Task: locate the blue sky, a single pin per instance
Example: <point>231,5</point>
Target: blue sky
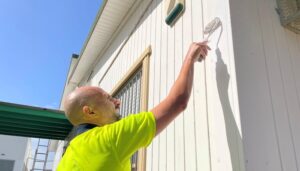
<point>37,39</point>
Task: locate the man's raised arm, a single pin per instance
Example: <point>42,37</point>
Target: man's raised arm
<point>179,95</point>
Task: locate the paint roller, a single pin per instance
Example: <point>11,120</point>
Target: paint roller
<point>210,28</point>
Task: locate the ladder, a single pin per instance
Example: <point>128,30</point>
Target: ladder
<point>41,155</point>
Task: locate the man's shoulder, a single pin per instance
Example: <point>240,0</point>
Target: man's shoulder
<point>136,117</point>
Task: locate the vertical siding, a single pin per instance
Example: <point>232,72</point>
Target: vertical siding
<point>163,82</point>
<point>156,81</point>
<point>201,138</point>
<point>170,150</point>
<point>151,28</point>
<point>179,127</point>
<point>225,136</point>
<point>267,63</point>
<point>189,113</point>
<point>199,94</point>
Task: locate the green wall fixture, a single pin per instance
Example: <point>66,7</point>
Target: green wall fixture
<point>174,9</point>
<point>28,121</point>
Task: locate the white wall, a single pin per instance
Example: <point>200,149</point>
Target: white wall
<point>58,154</point>
<point>28,161</point>
<point>13,148</point>
<point>251,54</point>
<point>268,77</point>
<point>207,136</point>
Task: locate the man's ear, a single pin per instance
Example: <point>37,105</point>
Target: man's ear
<point>87,110</point>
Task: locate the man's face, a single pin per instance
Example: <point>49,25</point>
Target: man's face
<point>114,106</point>
<point>108,107</point>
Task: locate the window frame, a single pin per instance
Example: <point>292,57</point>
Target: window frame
<point>142,62</point>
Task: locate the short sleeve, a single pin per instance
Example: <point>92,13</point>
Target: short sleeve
<point>132,133</point>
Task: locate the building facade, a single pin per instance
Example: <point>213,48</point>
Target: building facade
<point>245,104</point>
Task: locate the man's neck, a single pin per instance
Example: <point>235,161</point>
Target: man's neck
<point>83,128</point>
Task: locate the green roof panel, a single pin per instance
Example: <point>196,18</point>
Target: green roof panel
<point>28,121</point>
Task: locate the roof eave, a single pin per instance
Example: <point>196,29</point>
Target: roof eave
<point>87,40</point>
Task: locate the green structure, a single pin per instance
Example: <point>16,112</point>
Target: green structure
<point>174,13</point>
<point>28,121</point>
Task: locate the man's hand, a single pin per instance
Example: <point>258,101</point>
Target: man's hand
<point>198,51</point>
<point>178,97</point>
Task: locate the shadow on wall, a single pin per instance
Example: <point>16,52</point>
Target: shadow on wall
<point>234,138</point>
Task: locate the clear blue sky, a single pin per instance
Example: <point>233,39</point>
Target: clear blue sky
<point>37,39</point>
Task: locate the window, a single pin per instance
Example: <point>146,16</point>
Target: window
<point>130,96</point>
<point>132,90</point>
<point>7,165</point>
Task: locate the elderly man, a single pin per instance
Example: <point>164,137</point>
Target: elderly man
<point>109,142</point>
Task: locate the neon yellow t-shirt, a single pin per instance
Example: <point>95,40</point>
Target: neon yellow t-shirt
<point>110,147</point>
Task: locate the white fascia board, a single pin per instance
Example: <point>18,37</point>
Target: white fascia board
<point>97,39</point>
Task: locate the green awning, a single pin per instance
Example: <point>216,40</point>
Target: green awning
<point>28,121</point>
